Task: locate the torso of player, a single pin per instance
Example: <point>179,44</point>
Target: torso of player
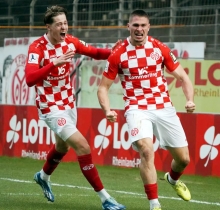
<point>55,92</point>
<point>141,64</point>
<point>141,71</point>
<point>51,52</point>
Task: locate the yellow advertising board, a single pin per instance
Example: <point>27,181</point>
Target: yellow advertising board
<point>205,76</point>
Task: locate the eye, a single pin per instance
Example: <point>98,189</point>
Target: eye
<point>59,24</point>
<point>135,25</point>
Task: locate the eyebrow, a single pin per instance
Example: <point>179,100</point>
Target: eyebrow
<point>137,24</point>
<point>61,22</point>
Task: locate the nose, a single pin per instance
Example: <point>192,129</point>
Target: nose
<point>139,28</point>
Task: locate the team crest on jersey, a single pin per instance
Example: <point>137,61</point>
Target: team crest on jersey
<point>155,56</point>
<point>33,58</point>
<point>173,57</point>
<point>84,43</point>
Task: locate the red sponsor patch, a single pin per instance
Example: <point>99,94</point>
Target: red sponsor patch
<point>134,132</point>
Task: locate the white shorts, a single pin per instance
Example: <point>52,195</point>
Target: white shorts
<point>163,123</point>
<point>62,122</point>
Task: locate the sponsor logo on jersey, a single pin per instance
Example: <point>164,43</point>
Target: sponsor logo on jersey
<point>143,74</point>
<point>33,58</point>
<point>132,57</point>
<point>173,57</point>
<point>143,71</point>
<point>61,70</point>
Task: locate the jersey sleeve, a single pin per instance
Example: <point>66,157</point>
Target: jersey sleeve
<point>85,49</point>
<point>112,67</point>
<point>170,60</point>
<point>34,55</point>
<point>33,71</point>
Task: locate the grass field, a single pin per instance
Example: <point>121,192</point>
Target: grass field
<point>18,191</point>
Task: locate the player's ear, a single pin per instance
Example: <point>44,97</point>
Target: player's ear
<point>48,27</point>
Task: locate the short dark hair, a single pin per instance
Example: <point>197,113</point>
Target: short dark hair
<point>139,12</point>
<point>53,11</point>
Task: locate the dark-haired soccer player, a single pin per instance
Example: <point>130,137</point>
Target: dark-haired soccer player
<point>139,61</point>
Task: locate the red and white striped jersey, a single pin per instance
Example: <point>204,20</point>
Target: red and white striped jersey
<point>55,91</point>
<point>141,71</point>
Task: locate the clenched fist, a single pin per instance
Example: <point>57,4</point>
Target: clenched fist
<point>190,106</point>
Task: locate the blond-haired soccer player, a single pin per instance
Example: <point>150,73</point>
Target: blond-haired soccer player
<point>48,69</point>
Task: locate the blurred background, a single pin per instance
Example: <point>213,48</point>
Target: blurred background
<point>104,21</point>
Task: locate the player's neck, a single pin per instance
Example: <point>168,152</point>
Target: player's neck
<point>52,40</point>
<point>137,43</point>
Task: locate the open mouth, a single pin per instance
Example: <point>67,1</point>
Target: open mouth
<point>138,35</point>
<point>62,34</point>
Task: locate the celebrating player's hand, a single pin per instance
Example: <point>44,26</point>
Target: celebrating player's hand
<point>111,116</point>
<point>65,58</point>
<point>190,106</point>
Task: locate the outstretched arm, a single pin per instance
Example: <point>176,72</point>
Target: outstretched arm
<point>104,99</point>
<point>187,87</point>
<point>96,53</point>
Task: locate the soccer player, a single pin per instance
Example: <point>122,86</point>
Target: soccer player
<point>139,62</point>
<point>48,69</point>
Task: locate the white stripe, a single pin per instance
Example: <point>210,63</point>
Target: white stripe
<point>87,188</point>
